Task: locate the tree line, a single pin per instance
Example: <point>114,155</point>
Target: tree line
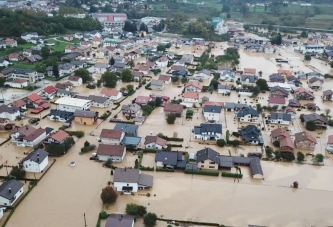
<point>14,23</point>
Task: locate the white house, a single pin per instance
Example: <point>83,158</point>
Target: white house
<point>329,146</point>
<point>111,136</point>
<point>3,63</point>
<point>30,140</point>
<point>9,112</point>
<point>114,152</point>
<point>212,113</point>
<point>17,83</point>
<point>162,62</point>
<point>279,118</point>
<point>202,75</point>
<point>75,80</point>
<point>248,115</point>
<point>10,191</point>
<point>101,67</point>
<point>96,100</point>
<point>223,89</point>
<point>35,162</point>
<point>220,26</point>
<point>192,97</point>
<point>313,48</point>
<point>28,36</point>
<point>193,86</point>
<point>72,104</point>
<point>131,180</point>
<point>112,94</point>
<point>157,85</point>
<point>155,143</point>
<point>208,132</point>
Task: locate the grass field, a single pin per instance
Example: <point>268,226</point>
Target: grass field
<point>22,65</point>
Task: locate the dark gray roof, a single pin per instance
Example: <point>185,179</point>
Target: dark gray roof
<point>126,175</point>
<point>277,88</point>
<point>276,77</point>
<point>14,187</point>
<point>63,91</point>
<point>166,157</point>
<point>250,133</point>
<point>251,78</point>
<point>145,180</point>
<point>60,113</point>
<point>36,156</point>
<point>328,92</point>
<point>127,128</point>
<point>157,82</point>
<point>119,220</point>
<point>94,98</point>
<point>252,162</point>
<point>131,140</point>
<point>84,113</point>
<point>223,86</point>
<point>294,103</point>
<point>283,116</point>
<point>232,105</point>
<point>72,55</point>
<point>226,162</point>
<point>208,153</point>
<point>217,128</point>
<point>246,111</point>
<point>314,117</point>
<point>119,65</point>
<point>212,109</point>
<point>78,62</point>
<point>7,109</point>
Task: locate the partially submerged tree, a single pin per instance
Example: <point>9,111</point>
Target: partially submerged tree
<point>109,195</point>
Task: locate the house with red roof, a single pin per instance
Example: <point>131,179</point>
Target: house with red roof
<point>33,100</point>
<point>28,136</point>
<point>17,83</point>
<point>142,100</point>
<point>277,101</point>
<point>111,93</point>
<point>143,69</point>
<point>97,41</point>
<point>192,97</point>
<point>48,92</point>
<point>162,62</point>
<point>193,86</point>
<point>303,94</point>
<point>14,57</point>
<point>58,137</point>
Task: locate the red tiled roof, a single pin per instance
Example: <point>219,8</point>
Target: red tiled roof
<point>193,95</point>
<point>19,81</point>
<point>211,103</point>
<point>250,71</point>
<point>38,132</point>
<point>33,97</point>
<point>111,150</point>
<point>285,71</point>
<point>50,89</point>
<point>111,134</point>
<point>330,139</point>
<point>59,135</point>
<point>276,100</point>
<point>155,139</point>
<point>164,77</point>
<point>109,92</point>
<point>142,99</point>
<point>13,56</point>
<point>174,108</point>
<point>18,103</point>
<point>194,84</point>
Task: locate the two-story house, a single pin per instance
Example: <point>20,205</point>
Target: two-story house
<point>170,160</point>
<point>248,115</point>
<point>212,113</point>
<point>58,137</point>
<point>249,79</point>
<point>304,140</point>
<point>114,152</point>
<point>208,159</point>
<point>155,143</point>
<point>223,89</point>
<point>10,192</point>
<point>191,97</point>
<point>10,112</point>
<point>193,86</point>
<point>208,132</point>
<point>48,92</point>
<point>112,94</point>
<point>28,136</point>
<point>85,117</point>
<point>111,136</point>
<point>303,94</point>
<point>176,109</point>
<point>21,105</point>
<point>252,135</point>
<point>75,80</point>
<point>131,110</point>
<point>315,83</point>
<point>278,92</point>
<point>284,138</point>
<point>321,122</point>
<point>276,78</point>
<point>35,162</point>
<point>279,118</point>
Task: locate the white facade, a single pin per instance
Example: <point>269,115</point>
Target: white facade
<point>201,76</point>
<point>279,121</point>
<point>72,104</point>
<point>210,116</point>
<point>153,146</point>
<point>111,141</point>
<point>4,63</point>
<point>33,143</point>
<point>10,116</point>
<point>317,48</point>
<point>249,119</point>
<point>161,64</point>
<point>116,97</point>
<point>113,158</point>
<point>119,186</point>
<point>194,100</point>
<point>223,91</point>
<point>192,88</point>
<point>76,83</point>
<point>7,202</point>
<point>34,167</point>
<point>207,136</point>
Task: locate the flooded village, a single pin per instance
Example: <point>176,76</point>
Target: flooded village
<point>210,149</point>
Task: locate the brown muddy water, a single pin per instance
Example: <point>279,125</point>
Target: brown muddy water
<point>66,193</point>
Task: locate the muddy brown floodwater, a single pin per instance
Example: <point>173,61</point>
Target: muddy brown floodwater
<point>66,193</point>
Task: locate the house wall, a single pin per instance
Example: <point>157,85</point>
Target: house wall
<point>156,87</point>
<point>258,176</point>
<point>120,185</point>
<point>279,121</point>
<point>153,146</point>
<point>77,83</point>
<point>243,93</point>
<point>114,158</point>
<point>102,105</point>
<point>26,143</point>
<point>212,116</point>
<point>308,145</point>
<point>192,89</point>
<point>70,108</point>
<point>207,136</point>
<point>9,116</point>
<point>208,164</point>
<point>6,202</point>
<point>190,100</point>
<point>248,118</point>
<point>17,85</point>
<point>34,167</point>
<point>111,141</point>
<point>84,120</point>
<point>278,94</point>
<point>118,96</point>
<point>223,91</point>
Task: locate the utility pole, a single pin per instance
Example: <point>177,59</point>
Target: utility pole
<point>85,222</point>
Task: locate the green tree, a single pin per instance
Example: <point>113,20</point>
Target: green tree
<point>183,80</point>
<point>109,195</point>
<point>17,172</point>
<point>269,152</point>
<point>331,64</point>
<point>45,52</point>
<point>2,81</point>
<point>276,143</point>
<point>304,34</point>
<point>109,79</point>
<point>40,67</point>
<point>262,84</point>
<point>55,71</point>
<point>126,75</point>
<point>129,88</point>
<point>311,126</point>
<point>84,74</point>
<point>259,108</point>
<point>171,118</point>
<point>277,39</point>
<point>136,210</point>
<point>146,110</point>
<point>319,158</point>
<point>300,156</point>
<point>161,48</point>
<point>86,144</point>
<point>226,8</point>
<point>158,101</point>
<point>108,163</point>
<point>220,142</point>
<point>307,58</point>
<point>277,155</point>
<point>150,219</point>
<point>246,27</point>
<point>111,62</point>
<point>288,156</point>
<point>131,63</point>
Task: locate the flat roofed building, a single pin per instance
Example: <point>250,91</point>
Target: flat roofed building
<point>72,104</point>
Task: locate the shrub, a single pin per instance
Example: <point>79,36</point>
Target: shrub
<point>146,168</point>
<point>202,172</point>
<point>171,118</point>
<point>300,156</point>
<point>150,219</point>
<point>288,156</point>
<point>276,143</point>
<point>234,143</point>
<point>220,142</point>
<point>170,138</point>
<point>78,134</point>
<point>134,209</point>
<point>17,172</point>
<point>233,175</point>
<point>164,170</point>
<point>235,134</point>
<point>311,126</point>
<point>175,145</point>
<point>109,195</point>
<point>103,215</point>
<point>319,158</point>
<point>108,163</point>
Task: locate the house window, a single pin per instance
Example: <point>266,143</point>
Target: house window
<point>212,167</point>
<point>127,184</point>
<point>211,162</point>
<point>202,162</point>
<point>202,166</point>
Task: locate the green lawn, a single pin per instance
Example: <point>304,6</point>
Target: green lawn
<point>22,65</point>
<point>25,46</point>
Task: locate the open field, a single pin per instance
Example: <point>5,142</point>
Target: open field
<point>66,193</point>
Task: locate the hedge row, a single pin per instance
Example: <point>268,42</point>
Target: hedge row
<point>148,151</point>
<point>146,168</point>
<point>164,170</point>
<point>175,145</point>
<point>171,138</point>
<point>233,175</point>
<point>5,141</point>
<point>202,172</point>
<point>190,222</point>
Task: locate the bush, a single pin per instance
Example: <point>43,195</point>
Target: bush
<point>175,145</point>
<point>202,172</point>
<point>233,175</point>
<point>150,219</point>
<point>300,156</point>
<point>103,215</point>
<point>311,126</point>
<point>136,210</point>
<point>17,173</point>
<point>108,163</point>
<point>220,142</point>
<point>288,156</point>
<point>276,143</point>
<point>235,134</point>
<point>164,170</point>
<point>170,138</point>
<point>171,118</point>
<point>319,158</point>
<point>109,195</point>
<point>146,168</point>
<point>234,143</point>
<point>78,134</point>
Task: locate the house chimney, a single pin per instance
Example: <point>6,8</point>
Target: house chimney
<point>121,217</point>
<point>10,190</point>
